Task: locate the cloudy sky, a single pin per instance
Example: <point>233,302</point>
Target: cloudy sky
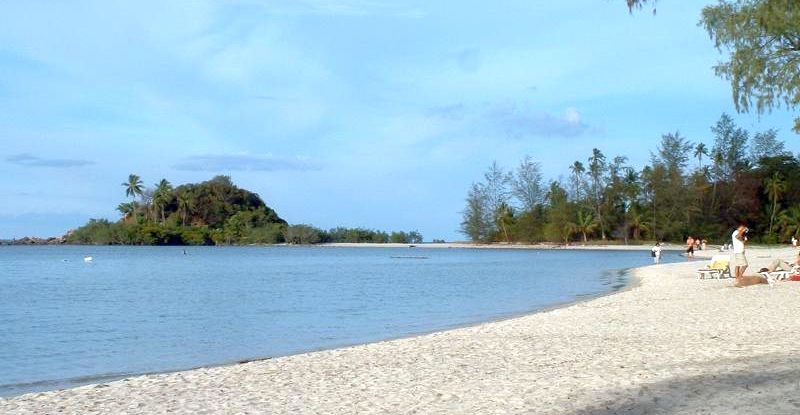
<point>337,112</point>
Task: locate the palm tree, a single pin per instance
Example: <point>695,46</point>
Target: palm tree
<point>567,231</point>
<point>585,224</point>
<point>505,217</point>
<point>577,171</point>
<point>126,209</point>
<point>637,223</point>
<point>133,188</point>
<point>789,222</point>
<point>161,196</point>
<point>699,151</point>
<point>774,187</point>
<point>185,205</point>
<point>597,165</point>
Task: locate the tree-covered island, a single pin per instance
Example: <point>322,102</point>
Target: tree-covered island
<point>214,212</point>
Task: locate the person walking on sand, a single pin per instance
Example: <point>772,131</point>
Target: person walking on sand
<point>690,247</point>
<point>656,253</point>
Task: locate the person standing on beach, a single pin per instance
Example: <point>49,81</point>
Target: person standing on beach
<point>656,253</point>
<point>690,247</point>
<point>738,260</point>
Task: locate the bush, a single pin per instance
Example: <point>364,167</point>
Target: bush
<point>302,234</point>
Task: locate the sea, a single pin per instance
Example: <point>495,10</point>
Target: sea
<point>67,321</point>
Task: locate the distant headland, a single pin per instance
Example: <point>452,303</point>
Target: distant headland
<point>214,212</point>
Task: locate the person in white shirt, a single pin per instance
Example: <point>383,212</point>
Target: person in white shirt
<point>738,259</point>
<point>656,253</point>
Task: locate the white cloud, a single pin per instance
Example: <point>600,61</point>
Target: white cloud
<point>572,116</point>
<point>338,7</point>
<point>245,162</point>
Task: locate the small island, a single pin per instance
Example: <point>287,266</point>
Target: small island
<point>214,212</point>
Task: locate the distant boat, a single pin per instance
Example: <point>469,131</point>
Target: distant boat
<point>87,259</point>
<point>408,257</point>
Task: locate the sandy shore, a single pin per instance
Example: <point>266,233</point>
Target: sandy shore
<point>671,344</point>
<point>500,245</point>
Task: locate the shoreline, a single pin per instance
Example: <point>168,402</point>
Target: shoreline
<point>632,281</point>
<point>633,348</point>
<point>425,245</point>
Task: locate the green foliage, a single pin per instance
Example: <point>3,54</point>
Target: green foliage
<point>302,234</point>
<point>402,237</point>
<point>213,202</point>
<point>215,212</point>
<point>559,226</point>
<point>477,221</point>
<point>355,235</point>
<point>762,39</point>
<point>97,231</point>
<point>730,147</point>
<point>668,199</point>
<point>194,235</point>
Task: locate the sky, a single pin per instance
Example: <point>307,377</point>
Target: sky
<point>376,114</point>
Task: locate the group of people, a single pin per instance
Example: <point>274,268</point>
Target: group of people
<point>738,262</point>
<point>693,244</point>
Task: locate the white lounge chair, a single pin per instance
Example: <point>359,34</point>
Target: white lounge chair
<point>718,268</point>
<point>775,276</point>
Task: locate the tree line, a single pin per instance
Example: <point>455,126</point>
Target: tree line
<point>214,212</point>
<point>688,188</point>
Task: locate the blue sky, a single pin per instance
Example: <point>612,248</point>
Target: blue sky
<point>337,112</point>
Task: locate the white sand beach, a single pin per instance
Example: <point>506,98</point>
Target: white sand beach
<point>670,344</point>
<point>500,245</point>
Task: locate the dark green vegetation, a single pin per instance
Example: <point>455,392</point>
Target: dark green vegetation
<point>762,38</point>
<point>215,212</point>
<point>687,189</point>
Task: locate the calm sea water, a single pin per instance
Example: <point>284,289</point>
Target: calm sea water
<point>132,310</point>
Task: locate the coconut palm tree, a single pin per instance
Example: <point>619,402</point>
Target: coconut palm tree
<point>133,188</point>
<point>185,205</point>
<point>126,209</point>
<point>637,223</point>
<point>505,217</point>
<point>789,222</point>
<point>162,196</point>
<point>699,151</point>
<point>597,166</point>
<point>585,224</point>
<point>774,187</point>
<point>567,231</point>
<point>577,171</point>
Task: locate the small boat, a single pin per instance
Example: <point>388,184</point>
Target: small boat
<point>409,257</point>
<point>87,259</point>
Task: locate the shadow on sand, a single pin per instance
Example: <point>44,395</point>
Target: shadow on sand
<point>766,385</point>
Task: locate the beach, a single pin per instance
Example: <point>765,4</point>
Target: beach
<point>669,344</point>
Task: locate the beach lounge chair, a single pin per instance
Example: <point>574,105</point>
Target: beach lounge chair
<point>779,275</point>
<point>775,276</point>
<point>718,268</point>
